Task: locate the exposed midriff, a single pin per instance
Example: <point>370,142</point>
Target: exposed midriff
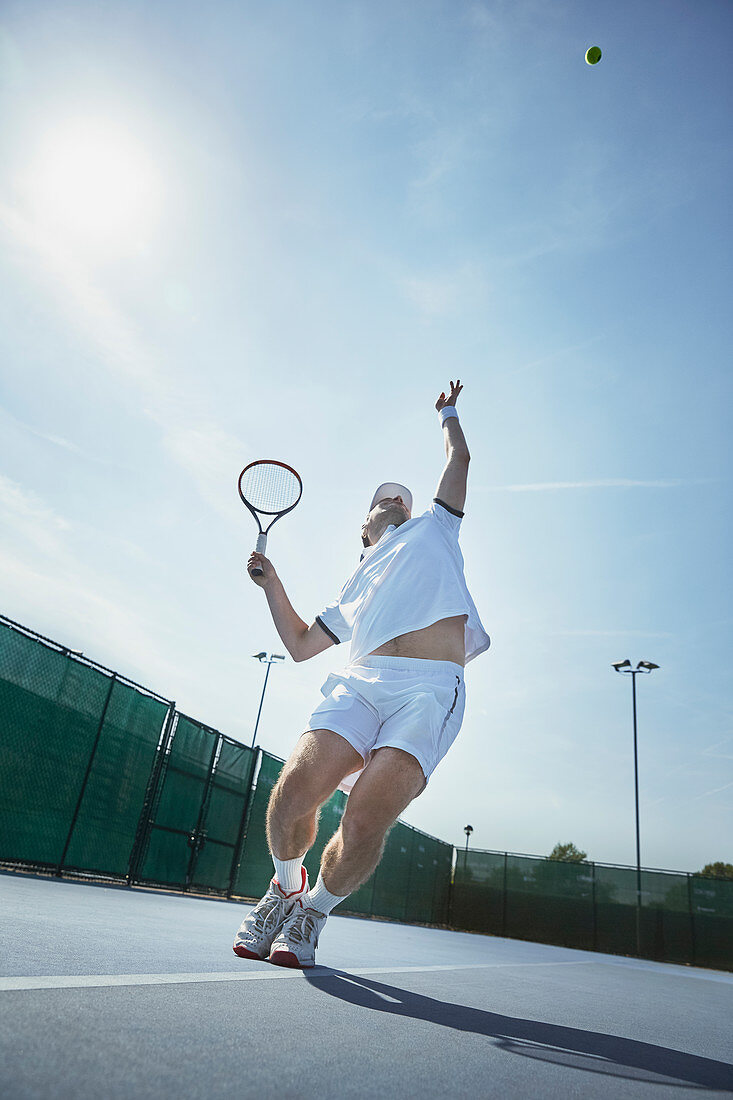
<point>444,640</point>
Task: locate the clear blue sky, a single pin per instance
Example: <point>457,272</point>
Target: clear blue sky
<point>240,230</point>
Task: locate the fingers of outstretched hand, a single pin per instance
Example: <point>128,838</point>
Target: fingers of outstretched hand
<point>455,389</point>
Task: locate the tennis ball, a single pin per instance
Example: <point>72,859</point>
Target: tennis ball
<point>593,55</point>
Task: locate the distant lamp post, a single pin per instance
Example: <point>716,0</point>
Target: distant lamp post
<point>468,829</point>
<point>264,659</point>
<point>643,667</point>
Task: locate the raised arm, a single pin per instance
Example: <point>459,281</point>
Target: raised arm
<point>300,640</point>
<point>452,485</point>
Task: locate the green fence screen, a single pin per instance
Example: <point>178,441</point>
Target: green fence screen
<point>110,808</point>
<point>683,918</point>
<point>255,867</point>
<point>99,775</point>
<point>229,796</point>
<point>196,818</point>
<point>171,846</point>
<point>78,746</point>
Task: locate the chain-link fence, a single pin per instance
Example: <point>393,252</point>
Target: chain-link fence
<point>100,776</point>
<point>681,918</point>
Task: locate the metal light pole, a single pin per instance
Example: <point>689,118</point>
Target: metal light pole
<point>644,667</point>
<point>468,829</point>
<point>264,660</point>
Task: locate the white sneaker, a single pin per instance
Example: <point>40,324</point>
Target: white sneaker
<point>258,930</point>
<point>296,942</point>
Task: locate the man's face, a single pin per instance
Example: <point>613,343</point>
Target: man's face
<point>391,511</point>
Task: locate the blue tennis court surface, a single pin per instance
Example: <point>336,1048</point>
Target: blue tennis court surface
<point>108,992</point>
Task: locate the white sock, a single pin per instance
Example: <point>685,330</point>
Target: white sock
<point>289,874</point>
<point>321,899</point>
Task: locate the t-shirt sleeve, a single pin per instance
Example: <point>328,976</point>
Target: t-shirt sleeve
<point>448,518</point>
<point>333,623</point>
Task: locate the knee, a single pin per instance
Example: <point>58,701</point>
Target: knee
<point>359,829</point>
<point>292,794</point>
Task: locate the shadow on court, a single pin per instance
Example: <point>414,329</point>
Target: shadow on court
<point>589,1051</point>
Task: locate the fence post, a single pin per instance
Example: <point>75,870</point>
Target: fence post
<point>237,857</point>
<point>409,877</point>
<point>142,833</point>
<point>693,952</point>
<point>595,915</point>
<point>82,792</point>
<point>503,900</point>
<point>198,838</point>
<point>451,884</point>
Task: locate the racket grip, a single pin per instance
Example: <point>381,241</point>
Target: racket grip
<point>260,548</point>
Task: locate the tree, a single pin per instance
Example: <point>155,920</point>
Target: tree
<point>568,853</point>
<point>717,870</point>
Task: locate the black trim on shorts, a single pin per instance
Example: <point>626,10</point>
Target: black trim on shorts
<point>453,707</point>
<point>455,697</point>
<point>332,636</point>
<point>453,511</point>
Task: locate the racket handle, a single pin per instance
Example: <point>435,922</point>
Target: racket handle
<point>260,548</point>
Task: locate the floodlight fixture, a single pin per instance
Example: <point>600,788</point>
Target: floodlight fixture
<point>647,665</point>
<point>270,660</point>
<point>618,665</point>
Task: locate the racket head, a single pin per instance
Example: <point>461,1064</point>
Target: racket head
<point>269,487</point>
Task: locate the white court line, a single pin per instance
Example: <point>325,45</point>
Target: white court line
<point>96,981</point>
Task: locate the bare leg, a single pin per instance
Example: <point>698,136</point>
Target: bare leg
<point>314,770</point>
<point>386,786</point>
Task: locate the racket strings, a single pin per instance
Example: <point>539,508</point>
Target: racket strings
<point>269,487</point>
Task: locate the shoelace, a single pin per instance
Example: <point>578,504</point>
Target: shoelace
<point>303,928</point>
<point>262,914</point>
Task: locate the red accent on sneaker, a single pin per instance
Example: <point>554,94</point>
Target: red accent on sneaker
<point>245,953</point>
<point>293,893</point>
<point>287,958</point>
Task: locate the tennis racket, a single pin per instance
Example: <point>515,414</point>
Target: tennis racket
<point>268,488</point>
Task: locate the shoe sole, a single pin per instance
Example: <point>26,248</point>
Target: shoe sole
<point>289,959</point>
<point>245,953</point>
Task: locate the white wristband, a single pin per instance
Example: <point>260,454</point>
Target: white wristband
<point>446,412</point>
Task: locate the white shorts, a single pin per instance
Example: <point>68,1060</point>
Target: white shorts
<point>403,702</point>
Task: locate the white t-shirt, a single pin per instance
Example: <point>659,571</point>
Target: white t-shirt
<point>410,579</point>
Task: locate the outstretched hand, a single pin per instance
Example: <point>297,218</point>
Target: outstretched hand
<point>454,391</point>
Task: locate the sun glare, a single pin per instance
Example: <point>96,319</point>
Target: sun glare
<point>92,183</point>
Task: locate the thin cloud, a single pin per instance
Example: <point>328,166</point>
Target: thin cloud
<point>64,444</point>
<point>711,750</point>
<point>610,634</point>
<point>545,359</point>
<point>603,483</point>
<point>25,510</point>
<point>716,790</point>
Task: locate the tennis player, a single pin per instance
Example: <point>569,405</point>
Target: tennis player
<point>388,719</point>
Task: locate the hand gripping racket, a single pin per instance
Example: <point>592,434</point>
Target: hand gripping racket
<point>269,488</point>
